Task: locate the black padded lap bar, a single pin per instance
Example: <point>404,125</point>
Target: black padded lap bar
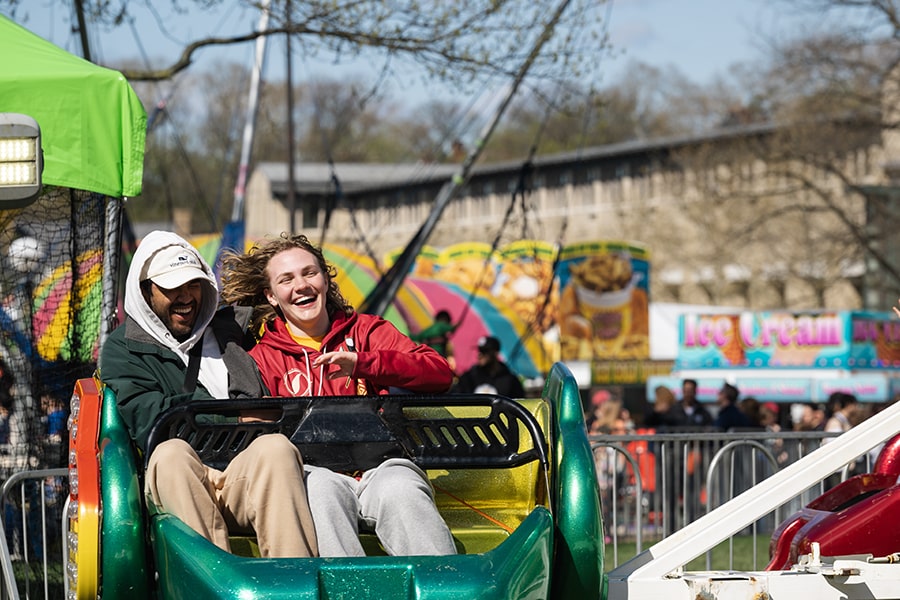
<point>347,433</point>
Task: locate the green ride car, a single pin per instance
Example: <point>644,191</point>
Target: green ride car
<point>513,479</point>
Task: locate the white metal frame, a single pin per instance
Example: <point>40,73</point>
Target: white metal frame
<point>658,571</point>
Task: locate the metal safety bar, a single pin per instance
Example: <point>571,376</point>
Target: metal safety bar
<point>359,432</point>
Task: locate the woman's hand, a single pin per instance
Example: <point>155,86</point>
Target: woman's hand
<point>346,362</point>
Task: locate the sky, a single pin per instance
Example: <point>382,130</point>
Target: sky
<point>701,38</point>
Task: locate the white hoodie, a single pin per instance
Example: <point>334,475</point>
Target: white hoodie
<point>213,374</point>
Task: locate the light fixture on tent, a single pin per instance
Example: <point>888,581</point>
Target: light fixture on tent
<point>20,160</point>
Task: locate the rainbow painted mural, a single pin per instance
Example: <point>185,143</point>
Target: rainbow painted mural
<point>544,303</point>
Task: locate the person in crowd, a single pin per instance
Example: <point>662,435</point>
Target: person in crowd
<point>612,418</point>
<point>769,420</point>
<point>807,416</point>
<point>6,402</point>
<point>313,343</point>
<point>55,415</point>
<point>174,346</point>
<point>666,410</point>
<point>695,413</point>
<point>56,436</point>
<point>489,374</point>
<point>751,408</point>
<point>845,413</point>
<point>591,411</point>
<point>666,415</point>
<point>608,416</point>
<point>437,335</point>
<point>769,416</point>
<point>729,415</point>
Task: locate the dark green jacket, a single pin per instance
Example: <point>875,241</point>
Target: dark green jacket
<point>148,378</point>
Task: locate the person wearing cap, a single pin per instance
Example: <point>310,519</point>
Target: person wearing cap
<point>313,343</point>
<point>490,375</point>
<point>437,336</point>
<point>175,346</point>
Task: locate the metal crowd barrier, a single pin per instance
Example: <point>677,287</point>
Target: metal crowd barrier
<point>31,526</point>
<point>654,483</point>
<point>651,485</point>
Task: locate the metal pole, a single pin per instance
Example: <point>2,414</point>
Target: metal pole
<point>378,301</point>
<point>291,192</point>
<point>82,30</point>
<point>240,187</point>
<point>111,259</point>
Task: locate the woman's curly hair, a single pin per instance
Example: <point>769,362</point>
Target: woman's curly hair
<point>245,278</point>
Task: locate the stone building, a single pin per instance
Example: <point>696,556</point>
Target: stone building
<point>760,216</point>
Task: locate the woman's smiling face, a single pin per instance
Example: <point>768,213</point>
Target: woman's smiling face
<point>297,288</point>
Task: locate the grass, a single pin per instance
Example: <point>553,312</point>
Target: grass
<point>741,551</point>
<point>30,579</point>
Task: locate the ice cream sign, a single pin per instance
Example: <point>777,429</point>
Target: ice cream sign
<point>841,339</point>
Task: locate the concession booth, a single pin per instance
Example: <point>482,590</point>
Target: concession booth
<point>788,357</point>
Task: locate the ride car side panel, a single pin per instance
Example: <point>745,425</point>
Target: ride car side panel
<point>578,566</point>
<point>124,567</point>
<point>191,567</point>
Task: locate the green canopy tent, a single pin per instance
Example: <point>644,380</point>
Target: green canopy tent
<point>92,123</point>
<point>93,129</point>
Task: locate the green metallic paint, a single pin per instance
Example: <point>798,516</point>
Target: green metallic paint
<point>578,567</point>
<point>124,570</point>
<point>191,567</point>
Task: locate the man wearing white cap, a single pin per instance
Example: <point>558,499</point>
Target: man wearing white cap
<point>173,347</point>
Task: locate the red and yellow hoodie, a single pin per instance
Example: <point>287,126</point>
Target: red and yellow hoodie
<point>387,359</point>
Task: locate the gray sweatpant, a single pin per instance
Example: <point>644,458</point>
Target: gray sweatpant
<point>395,498</point>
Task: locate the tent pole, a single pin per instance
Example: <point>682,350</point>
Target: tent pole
<point>112,247</point>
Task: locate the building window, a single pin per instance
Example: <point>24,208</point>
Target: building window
<point>310,214</point>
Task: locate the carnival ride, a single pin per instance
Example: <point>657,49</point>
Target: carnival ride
<point>524,510</point>
<point>514,480</point>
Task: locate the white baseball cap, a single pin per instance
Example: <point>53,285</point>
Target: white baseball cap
<point>173,266</point>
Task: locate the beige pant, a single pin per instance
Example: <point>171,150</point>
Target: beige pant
<point>261,490</point>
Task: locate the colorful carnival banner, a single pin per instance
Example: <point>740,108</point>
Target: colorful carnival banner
<point>588,301</point>
<point>66,314</point>
<point>823,340</point>
<point>604,301</point>
<point>504,293</point>
<point>584,302</point>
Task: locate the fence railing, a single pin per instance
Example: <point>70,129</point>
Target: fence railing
<point>31,541</point>
<point>651,485</point>
<point>654,483</point>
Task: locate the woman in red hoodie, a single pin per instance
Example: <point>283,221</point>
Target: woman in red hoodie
<point>314,344</point>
